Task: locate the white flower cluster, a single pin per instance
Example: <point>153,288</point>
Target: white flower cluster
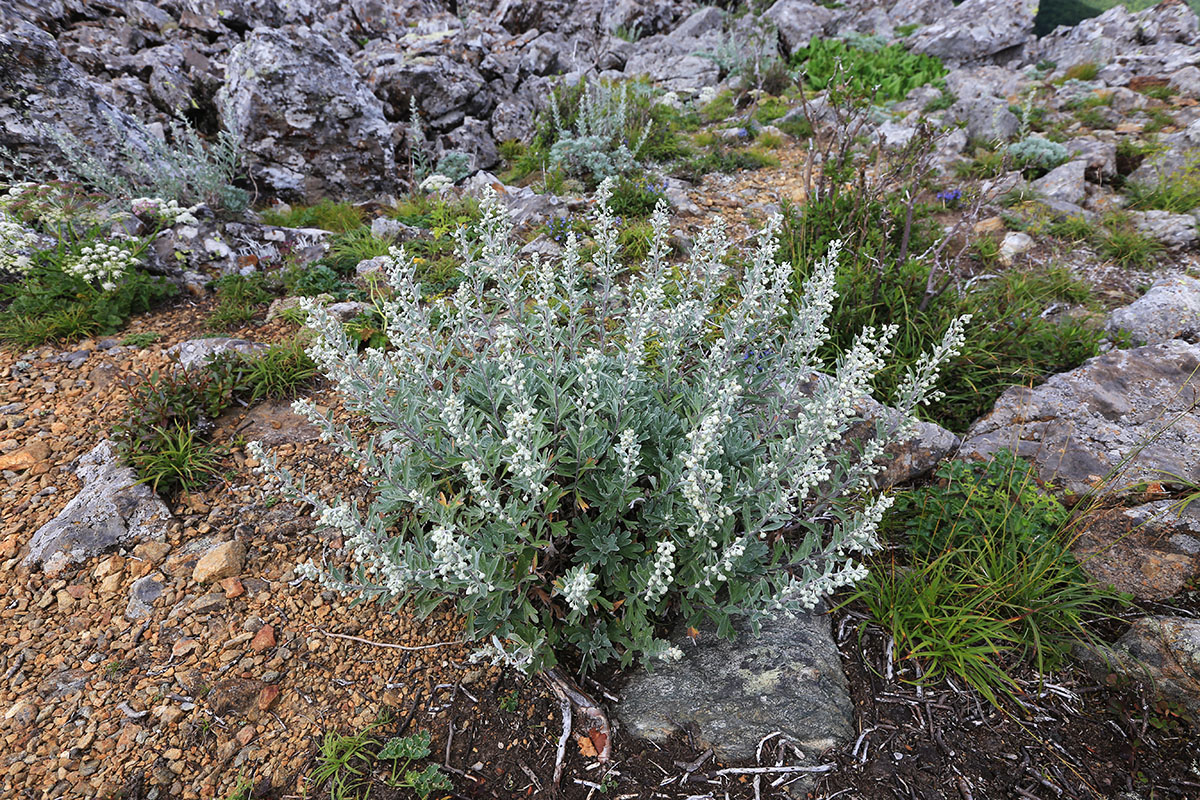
<point>167,211</point>
<point>436,183</point>
<point>628,452</point>
<point>663,573</point>
<point>103,263</point>
<point>577,586</point>
<point>17,244</point>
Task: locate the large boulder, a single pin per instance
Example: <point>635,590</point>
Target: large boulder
<point>1124,418</point>
<point>787,678</point>
<point>977,30</point>
<point>42,93</point>
<point>310,126</point>
<point>674,60</point>
<point>111,509</point>
<point>797,21</point>
<point>1170,309</point>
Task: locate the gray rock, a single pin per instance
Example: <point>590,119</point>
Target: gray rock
<point>977,30</point>
<point>142,594</point>
<point>111,509</point>
<point>196,352</point>
<point>380,17</point>
<point>909,459</point>
<point>42,91</point>
<point>1186,82</point>
<point>673,60</point>
<point>1100,157</point>
<point>524,204</point>
<point>446,88</point>
<point>798,21</point>
<point>1066,183</point>
<point>918,12</point>
<point>1162,653</point>
<point>786,678</point>
<point>1177,155</point>
<point>1170,309</point>
<point>1132,413</point>
<point>474,138</point>
<point>311,127</point>
<point>988,119</point>
<point>1174,231</point>
<point>1014,244</point>
<point>388,228</point>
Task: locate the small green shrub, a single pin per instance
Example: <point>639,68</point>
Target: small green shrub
<point>799,128</point>
<point>1177,192</point>
<point>1125,244</point>
<point>596,144</point>
<point>326,215</point>
<point>1095,119</point>
<point>346,250</point>
<point>166,433</point>
<point>239,298</point>
<point>1073,228</point>
<point>635,198</point>
<point>1010,343</point>
<point>886,72</point>
<point>770,109</point>
<point>454,165</point>
<point>140,340</point>
<point>987,582</point>
<point>311,280</point>
<point>1161,93</point>
<point>1159,119</point>
<point>1086,71</point>
<point>175,459</point>
<point>279,371</point>
<point>722,158</point>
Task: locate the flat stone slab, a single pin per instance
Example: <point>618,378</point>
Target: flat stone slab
<point>787,678</point>
<point>111,509</point>
<point>1125,418</point>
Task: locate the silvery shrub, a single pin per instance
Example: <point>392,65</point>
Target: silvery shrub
<point>597,146</point>
<point>572,450</point>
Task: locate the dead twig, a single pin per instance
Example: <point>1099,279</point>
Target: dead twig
<point>360,640</point>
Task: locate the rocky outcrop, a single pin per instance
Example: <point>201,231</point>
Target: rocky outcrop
<point>1124,418</point>
<point>311,127</point>
<point>787,678</point>
<point>976,30</point>
<point>675,60</point>
<point>1170,309</point>
<point>41,92</point>
<point>1151,551</point>
<point>1162,653</point>
<point>111,509</point>
<point>1157,41</point>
